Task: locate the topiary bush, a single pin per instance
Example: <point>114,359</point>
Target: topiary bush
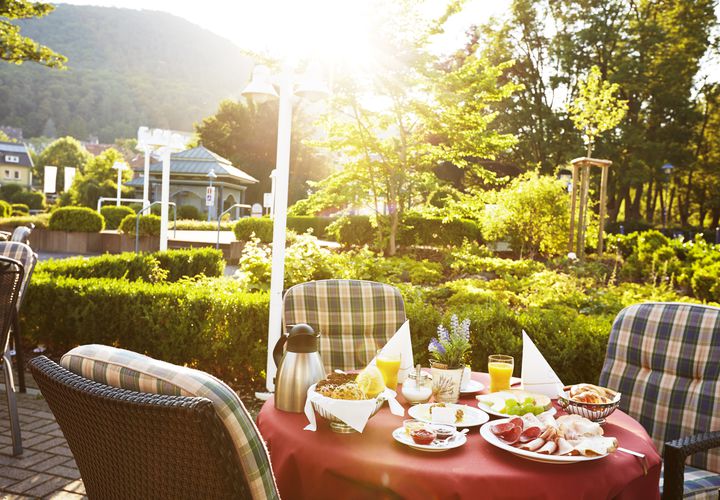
<point>353,230</point>
<point>433,231</point>
<point>5,209</point>
<point>35,200</point>
<point>262,227</point>
<point>115,214</point>
<point>148,225</point>
<point>189,212</point>
<point>301,224</point>
<point>76,219</point>
<point>20,209</point>
<point>40,221</point>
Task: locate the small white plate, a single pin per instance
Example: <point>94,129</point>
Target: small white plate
<point>471,416</point>
<point>456,441</point>
<point>491,438</point>
<point>472,387</point>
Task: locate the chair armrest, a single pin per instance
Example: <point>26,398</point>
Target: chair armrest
<point>674,455</point>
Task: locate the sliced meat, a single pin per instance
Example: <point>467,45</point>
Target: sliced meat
<point>511,436</point>
<point>517,421</point>
<point>533,445</point>
<point>528,434</point>
<point>548,448</point>
<point>530,420</point>
<point>563,447</point>
<point>498,429</point>
<point>549,433</point>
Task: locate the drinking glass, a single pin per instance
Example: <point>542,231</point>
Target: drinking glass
<point>389,366</point>
<point>500,368</point>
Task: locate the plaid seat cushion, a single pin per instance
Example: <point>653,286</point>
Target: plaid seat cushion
<point>698,484</point>
<point>129,370</point>
<point>663,357</point>
<point>354,318</point>
<point>23,254</point>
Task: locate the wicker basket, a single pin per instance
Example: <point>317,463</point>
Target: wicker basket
<point>596,412</point>
<point>337,425</point>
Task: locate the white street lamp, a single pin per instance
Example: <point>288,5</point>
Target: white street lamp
<point>260,89</point>
<point>166,142</point>
<point>119,166</point>
<point>211,194</point>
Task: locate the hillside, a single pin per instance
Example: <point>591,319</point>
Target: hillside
<point>126,68</point>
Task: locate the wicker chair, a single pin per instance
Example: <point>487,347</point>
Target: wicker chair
<point>133,445</point>
<point>354,318</point>
<point>11,277</point>
<point>665,360</point>
<point>25,255</point>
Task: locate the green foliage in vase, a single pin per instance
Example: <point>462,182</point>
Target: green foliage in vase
<point>451,347</point>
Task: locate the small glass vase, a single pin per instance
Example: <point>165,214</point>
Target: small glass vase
<point>446,382</point>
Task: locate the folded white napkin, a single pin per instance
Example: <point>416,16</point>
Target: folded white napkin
<point>354,413</point>
<point>537,375</point>
<point>401,343</point>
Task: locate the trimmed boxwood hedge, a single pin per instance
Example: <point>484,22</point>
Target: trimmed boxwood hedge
<point>5,209</point>
<point>40,221</point>
<point>261,226</point>
<point>20,209</point>
<point>76,219</point>
<point>115,214</point>
<point>148,225</point>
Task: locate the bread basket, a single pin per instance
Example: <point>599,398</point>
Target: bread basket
<point>596,412</point>
<point>337,425</point>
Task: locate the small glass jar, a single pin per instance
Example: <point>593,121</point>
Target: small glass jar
<point>417,388</point>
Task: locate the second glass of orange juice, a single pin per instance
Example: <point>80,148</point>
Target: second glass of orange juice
<point>500,368</point>
<point>389,366</point>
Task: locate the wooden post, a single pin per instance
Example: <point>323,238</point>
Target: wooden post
<point>603,202</point>
<point>582,213</point>
<point>573,198</point>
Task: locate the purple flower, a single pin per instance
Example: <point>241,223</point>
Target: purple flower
<point>443,334</point>
<point>436,346</point>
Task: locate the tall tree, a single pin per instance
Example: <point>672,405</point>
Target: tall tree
<point>16,48</point>
<point>63,152</point>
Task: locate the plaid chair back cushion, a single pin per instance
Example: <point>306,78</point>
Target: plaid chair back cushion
<point>23,254</point>
<point>129,370</point>
<point>354,318</point>
<point>665,360</point>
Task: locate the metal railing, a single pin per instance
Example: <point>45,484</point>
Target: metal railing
<point>140,212</point>
<point>236,205</point>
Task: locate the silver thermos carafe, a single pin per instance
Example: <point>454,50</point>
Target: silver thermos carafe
<point>298,369</point>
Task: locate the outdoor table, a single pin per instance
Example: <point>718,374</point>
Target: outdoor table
<point>325,464</point>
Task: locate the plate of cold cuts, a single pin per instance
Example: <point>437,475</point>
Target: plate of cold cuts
<point>564,440</point>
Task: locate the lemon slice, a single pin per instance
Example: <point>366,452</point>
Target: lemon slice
<point>370,381</point>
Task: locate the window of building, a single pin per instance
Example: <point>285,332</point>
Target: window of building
<point>12,159</point>
<point>7,174</point>
<point>17,174</point>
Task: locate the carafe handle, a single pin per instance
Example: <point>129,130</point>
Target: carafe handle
<point>278,350</point>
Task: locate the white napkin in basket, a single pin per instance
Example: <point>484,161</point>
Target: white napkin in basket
<point>354,413</point>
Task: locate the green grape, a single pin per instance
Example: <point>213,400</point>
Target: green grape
<point>529,401</point>
<point>510,403</point>
<point>537,410</point>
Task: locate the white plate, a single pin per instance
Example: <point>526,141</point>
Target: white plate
<point>486,406</point>
<point>487,409</point>
<point>491,438</point>
<point>471,416</point>
<point>472,387</point>
<point>456,441</point>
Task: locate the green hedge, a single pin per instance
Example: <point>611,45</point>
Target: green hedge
<point>33,199</point>
<point>76,219</point>
<point>201,225</point>
<point>20,209</point>
<point>261,226</point>
<point>212,326</point>
<point>170,265</point>
<point>353,230</point>
<point>115,214</point>
<point>432,231</point>
<point>40,221</point>
<point>5,209</point>
<point>301,224</point>
<point>189,212</point>
<point>149,225</point>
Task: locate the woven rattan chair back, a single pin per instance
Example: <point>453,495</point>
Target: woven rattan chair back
<point>22,253</point>
<point>354,318</point>
<point>132,445</point>
<point>663,358</point>
<point>11,278</point>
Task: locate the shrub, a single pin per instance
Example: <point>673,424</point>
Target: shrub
<point>40,221</point>
<point>115,214</point>
<point>8,191</point>
<point>201,225</point>
<point>432,231</point>
<point>5,209</point>
<point>191,262</point>
<point>261,226</point>
<point>170,265</point>
<point>706,282</point>
<point>148,225</point>
<point>20,209</point>
<point>208,324</point>
<point>35,200</point>
<point>189,212</point>
<point>301,224</point>
<point>76,219</point>
<point>353,230</point>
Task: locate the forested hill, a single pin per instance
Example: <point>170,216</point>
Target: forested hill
<point>126,68</point>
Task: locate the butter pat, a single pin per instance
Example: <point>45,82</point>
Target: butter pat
<point>442,415</point>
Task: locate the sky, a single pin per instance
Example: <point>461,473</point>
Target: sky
<point>299,29</point>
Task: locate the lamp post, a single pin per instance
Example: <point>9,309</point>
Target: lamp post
<point>119,166</point>
<point>166,142</point>
<point>210,201</point>
<point>260,89</point>
<point>667,170</point>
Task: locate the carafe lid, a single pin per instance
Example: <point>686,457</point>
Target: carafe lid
<point>302,339</point>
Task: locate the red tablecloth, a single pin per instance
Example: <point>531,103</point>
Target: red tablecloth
<point>323,464</point>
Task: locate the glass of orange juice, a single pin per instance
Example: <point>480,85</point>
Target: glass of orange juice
<point>500,368</point>
<point>389,366</point>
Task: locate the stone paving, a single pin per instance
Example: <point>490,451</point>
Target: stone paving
<point>46,469</point>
